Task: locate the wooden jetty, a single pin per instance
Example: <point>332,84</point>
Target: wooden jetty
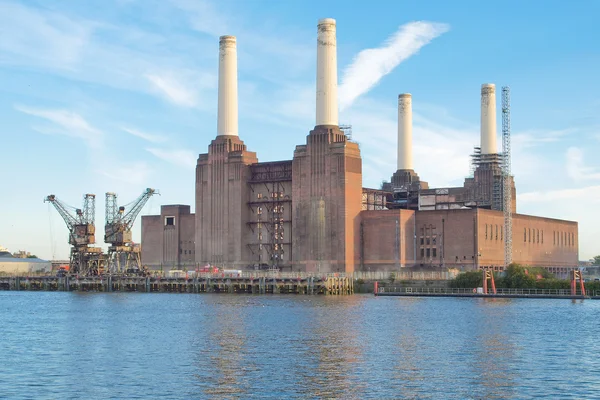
<point>326,285</point>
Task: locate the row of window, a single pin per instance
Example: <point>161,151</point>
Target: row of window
<point>429,252</point>
<point>274,195</point>
<point>182,251</point>
<point>561,239</point>
<point>564,239</point>
<point>530,235</point>
<point>494,228</point>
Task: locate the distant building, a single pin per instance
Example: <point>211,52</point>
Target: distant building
<point>21,254</point>
<point>14,265</point>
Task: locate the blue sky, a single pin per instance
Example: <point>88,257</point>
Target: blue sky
<point>121,95</point>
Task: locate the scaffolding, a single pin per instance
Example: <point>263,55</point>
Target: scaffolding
<point>506,178</point>
<point>270,223</point>
<point>375,199</point>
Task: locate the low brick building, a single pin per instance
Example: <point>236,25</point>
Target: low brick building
<point>464,239</point>
<point>168,239</point>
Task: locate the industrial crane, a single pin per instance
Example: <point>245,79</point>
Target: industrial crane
<point>123,254</point>
<point>84,259</point>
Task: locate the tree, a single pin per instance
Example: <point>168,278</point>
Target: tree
<point>32,256</point>
<point>596,260</point>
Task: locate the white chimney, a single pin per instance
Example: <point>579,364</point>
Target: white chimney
<point>488,119</point>
<point>405,160</point>
<point>327,100</point>
<point>228,101</point>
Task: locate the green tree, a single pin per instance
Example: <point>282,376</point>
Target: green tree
<point>32,256</point>
<point>596,260</point>
<point>470,279</point>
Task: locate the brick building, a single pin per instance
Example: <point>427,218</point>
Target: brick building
<point>311,213</point>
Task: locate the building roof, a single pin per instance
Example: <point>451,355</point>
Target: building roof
<point>7,257</point>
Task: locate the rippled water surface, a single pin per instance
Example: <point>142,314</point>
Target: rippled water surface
<point>181,346</point>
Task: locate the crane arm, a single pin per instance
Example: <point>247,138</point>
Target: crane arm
<point>137,206</point>
<point>69,219</point>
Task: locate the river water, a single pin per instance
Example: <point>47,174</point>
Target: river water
<point>190,346</point>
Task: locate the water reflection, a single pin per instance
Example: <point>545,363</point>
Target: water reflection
<point>222,351</point>
<point>352,347</point>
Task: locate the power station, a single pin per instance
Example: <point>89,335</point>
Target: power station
<point>312,213</point>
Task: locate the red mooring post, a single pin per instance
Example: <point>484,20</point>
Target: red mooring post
<point>375,291</point>
<point>488,275</point>
<point>485,291</point>
<point>493,282</point>
<point>574,276</point>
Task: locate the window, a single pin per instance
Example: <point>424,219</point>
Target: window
<point>428,241</point>
<point>169,221</point>
<point>428,253</point>
<point>529,231</point>
<point>422,240</point>
<point>422,253</point>
<point>524,234</point>
<point>434,252</point>
<point>542,237</point>
<point>496,231</point>
<point>486,231</point>
<point>501,233</point>
<point>538,235</point>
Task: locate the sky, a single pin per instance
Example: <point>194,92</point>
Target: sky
<point>104,96</point>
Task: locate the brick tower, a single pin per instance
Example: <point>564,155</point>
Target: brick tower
<point>327,177</point>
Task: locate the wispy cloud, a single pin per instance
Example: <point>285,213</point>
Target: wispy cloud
<point>180,157</point>
<point>591,193</point>
<point>66,123</point>
<point>576,168</point>
<point>173,90</point>
<point>135,173</point>
<point>41,37</point>
<point>534,138</point>
<point>204,17</point>
<point>370,65</point>
<point>146,136</point>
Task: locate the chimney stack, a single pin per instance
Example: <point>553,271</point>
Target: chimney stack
<point>405,159</point>
<point>327,100</point>
<point>228,101</point>
<point>488,119</point>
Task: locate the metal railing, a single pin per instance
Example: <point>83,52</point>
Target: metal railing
<point>471,291</point>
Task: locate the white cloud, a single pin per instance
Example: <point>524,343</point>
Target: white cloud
<point>370,65</point>
<point>204,17</point>
<point>173,90</point>
<point>576,168</point>
<point>180,157</point>
<point>441,151</point>
<point>41,37</point>
<point>146,136</point>
<point>591,194</point>
<point>66,123</point>
<point>135,173</point>
<point>533,138</point>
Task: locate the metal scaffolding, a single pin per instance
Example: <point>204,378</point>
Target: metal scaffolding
<point>270,203</point>
<point>506,181</point>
